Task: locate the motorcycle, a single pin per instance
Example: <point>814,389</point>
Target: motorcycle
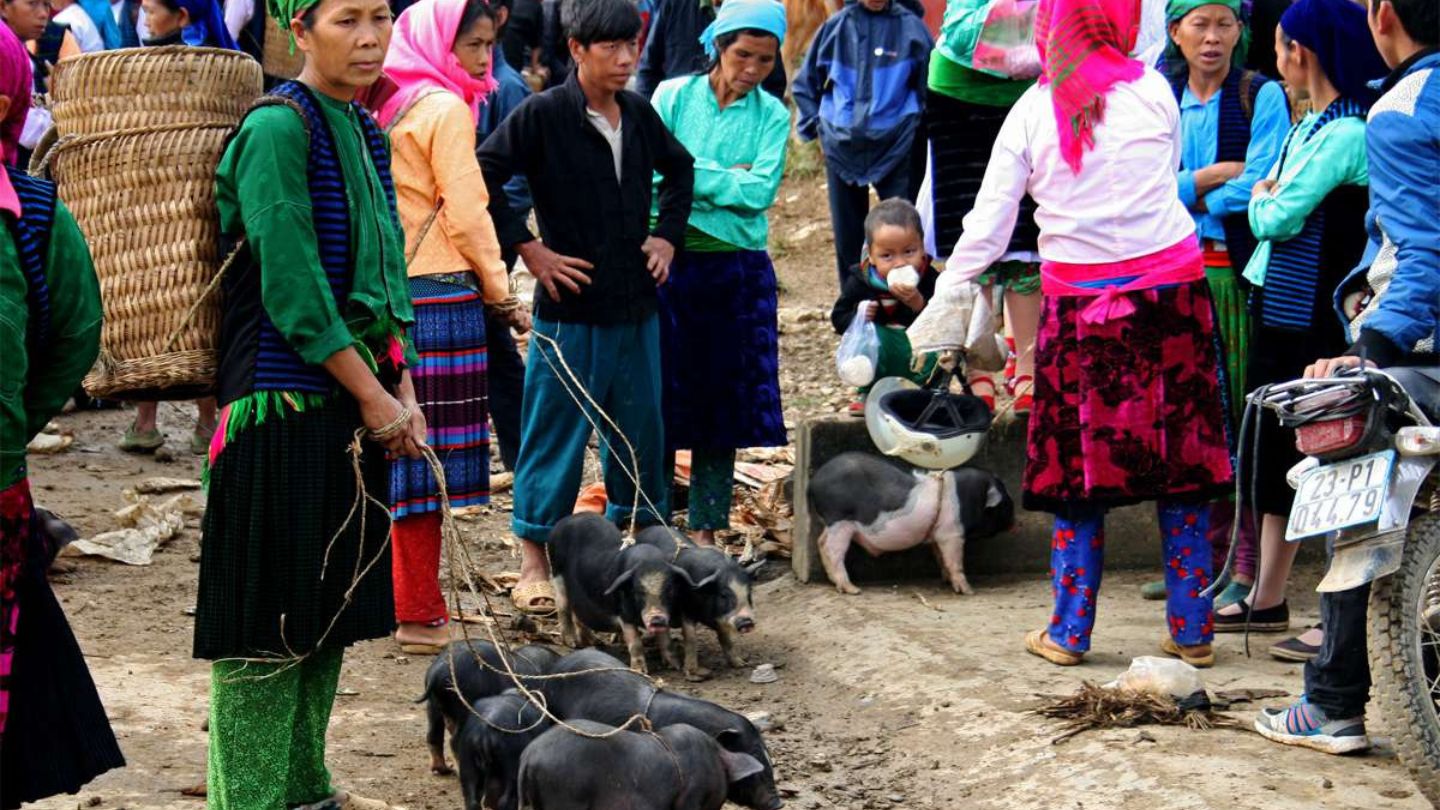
<point>1370,486</point>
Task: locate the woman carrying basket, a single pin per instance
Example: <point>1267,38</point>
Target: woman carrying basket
<point>197,23</point>
<point>54,736</point>
<point>314,388</point>
<point>439,65</point>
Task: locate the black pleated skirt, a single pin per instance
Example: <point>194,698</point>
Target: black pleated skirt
<point>280,492</point>
<point>961,138</point>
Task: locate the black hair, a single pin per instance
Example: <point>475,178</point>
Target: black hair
<point>172,5</point>
<point>307,20</point>
<point>728,38</point>
<point>1419,18</point>
<point>592,21</point>
<point>475,10</point>
<point>896,212</point>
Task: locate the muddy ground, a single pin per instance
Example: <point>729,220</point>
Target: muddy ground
<point>904,696</point>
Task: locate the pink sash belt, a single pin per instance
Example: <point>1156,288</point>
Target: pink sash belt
<point>1181,263</point>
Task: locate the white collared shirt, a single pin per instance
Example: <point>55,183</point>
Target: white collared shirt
<point>1123,204</point>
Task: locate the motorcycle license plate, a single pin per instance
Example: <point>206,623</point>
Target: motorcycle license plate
<point>1337,496</point>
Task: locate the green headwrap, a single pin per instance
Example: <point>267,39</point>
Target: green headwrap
<point>286,10</point>
<point>1177,9</point>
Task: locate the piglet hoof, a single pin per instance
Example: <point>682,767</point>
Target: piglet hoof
<point>441,769</point>
<point>847,589</point>
<point>962,585</point>
<point>737,660</point>
<point>697,673</point>
<point>638,665</point>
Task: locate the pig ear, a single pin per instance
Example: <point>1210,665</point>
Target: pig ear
<point>739,766</point>
<point>620,580</point>
<point>685,575</point>
<point>994,496</point>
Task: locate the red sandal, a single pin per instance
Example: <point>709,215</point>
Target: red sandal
<point>1022,388</point>
<point>986,380</point>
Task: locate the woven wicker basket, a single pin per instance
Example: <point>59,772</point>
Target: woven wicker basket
<point>276,58</point>
<point>141,184</point>
<point>111,91</point>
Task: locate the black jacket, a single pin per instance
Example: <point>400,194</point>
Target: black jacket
<point>856,288</point>
<point>672,48</point>
<point>581,210</point>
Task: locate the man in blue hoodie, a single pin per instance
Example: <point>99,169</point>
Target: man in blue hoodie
<point>1391,305</point>
<point>862,91</point>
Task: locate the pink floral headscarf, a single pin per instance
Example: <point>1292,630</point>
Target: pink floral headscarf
<point>421,59</point>
<point>1084,47</point>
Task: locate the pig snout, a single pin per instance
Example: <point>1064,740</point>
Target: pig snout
<point>743,622</point>
<point>657,622</point>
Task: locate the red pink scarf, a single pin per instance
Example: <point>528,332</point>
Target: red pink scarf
<point>1084,47</point>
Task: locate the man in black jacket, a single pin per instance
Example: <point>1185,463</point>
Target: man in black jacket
<point>590,150</point>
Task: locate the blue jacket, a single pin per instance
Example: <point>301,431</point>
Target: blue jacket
<point>862,89</point>
<point>1402,265</point>
<point>510,89</point>
<point>672,47</point>
<point>115,35</point>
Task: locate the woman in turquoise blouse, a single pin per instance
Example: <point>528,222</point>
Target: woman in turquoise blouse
<point>721,345</point>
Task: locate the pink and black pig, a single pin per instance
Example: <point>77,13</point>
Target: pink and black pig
<point>881,508</point>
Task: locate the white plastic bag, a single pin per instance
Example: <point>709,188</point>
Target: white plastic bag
<point>1160,676</point>
<point>859,351</point>
<point>960,317</point>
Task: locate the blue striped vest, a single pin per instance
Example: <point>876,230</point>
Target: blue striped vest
<point>1237,109</point>
<point>254,354</point>
<point>1300,265</point>
<point>32,241</point>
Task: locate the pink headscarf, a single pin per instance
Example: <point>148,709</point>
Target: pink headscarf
<point>16,83</point>
<point>421,59</point>
<point>1084,47</point>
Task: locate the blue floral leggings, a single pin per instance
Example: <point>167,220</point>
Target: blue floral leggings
<point>1077,558</point>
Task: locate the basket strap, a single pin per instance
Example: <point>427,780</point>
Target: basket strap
<point>209,291</point>
<point>430,220</point>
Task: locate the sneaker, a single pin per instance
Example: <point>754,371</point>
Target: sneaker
<point>1270,620</point>
<point>141,441</point>
<point>1154,591</point>
<point>1306,725</point>
<point>1294,649</point>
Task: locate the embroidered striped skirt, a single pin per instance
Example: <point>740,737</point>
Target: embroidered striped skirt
<point>449,336</point>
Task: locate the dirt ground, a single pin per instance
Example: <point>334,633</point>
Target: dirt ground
<point>904,696</point>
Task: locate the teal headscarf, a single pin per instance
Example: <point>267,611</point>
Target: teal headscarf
<point>739,15</point>
<point>1177,9</point>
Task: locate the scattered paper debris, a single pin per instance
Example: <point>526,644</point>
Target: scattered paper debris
<point>159,485</point>
<point>146,527</point>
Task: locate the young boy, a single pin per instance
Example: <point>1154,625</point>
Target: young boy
<point>861,91</point>
<point>894,238</point>
<point>589,149</point>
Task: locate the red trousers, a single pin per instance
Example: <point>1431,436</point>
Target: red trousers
<point>415,554</point>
